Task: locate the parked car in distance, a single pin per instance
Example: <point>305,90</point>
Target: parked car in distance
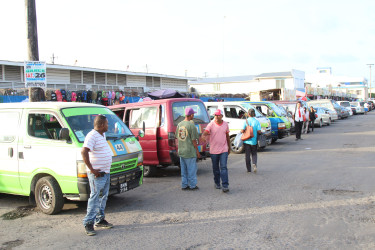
<point>354,109</point>
<point>349,109</point>
<point>345,104</point>
<point>344,112</point>
<point>359,108</point>
<point>322,117</point>
<point>329,104</point>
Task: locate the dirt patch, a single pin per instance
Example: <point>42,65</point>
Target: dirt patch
<point>340,192</point>
<point>19,212</point>
<point>11,244</point>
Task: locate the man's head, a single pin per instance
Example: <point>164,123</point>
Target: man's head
<point>218,115</point>
<point>101,124</point>
<point>189,113</point>
<point>251,112</point>
<point>298,104</point>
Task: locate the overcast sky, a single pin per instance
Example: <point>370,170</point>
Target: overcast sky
<point>200,37</point>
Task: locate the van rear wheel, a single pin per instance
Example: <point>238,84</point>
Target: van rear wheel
<point>149,171</point>
<point>48,195</point>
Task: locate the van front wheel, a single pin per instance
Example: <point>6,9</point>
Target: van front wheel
<point>48,195</point>
<point>149,171</point>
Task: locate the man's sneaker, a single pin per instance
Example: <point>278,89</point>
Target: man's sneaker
<point>103,224</point>
<point>225,190</point>
<point>254,168</point>
<point>194,188</point>
<point>89,228</point>
<point>217,186</point>
<point>185,188</point>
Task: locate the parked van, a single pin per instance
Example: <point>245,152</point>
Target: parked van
<point>280,125</point>
<point>160,119</point>
<point>329,104</point>
<point>41,152</point>
<point>235,113</point>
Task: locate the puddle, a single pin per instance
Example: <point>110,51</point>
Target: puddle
<point>11,244</point>
<point>19,212</point>
<point>340,192</point>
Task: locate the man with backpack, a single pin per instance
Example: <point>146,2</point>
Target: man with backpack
<point>251,147</point>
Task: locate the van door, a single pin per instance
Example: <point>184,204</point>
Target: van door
<point>234,115</point>
<point>9,130</point>
<point>150,116</point>
<point>42,151</point>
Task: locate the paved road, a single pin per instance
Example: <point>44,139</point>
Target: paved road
<point>318,193</point>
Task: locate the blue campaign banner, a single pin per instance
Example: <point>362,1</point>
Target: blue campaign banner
<point>12,98</point>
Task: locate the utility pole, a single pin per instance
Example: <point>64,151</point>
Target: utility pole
<point>32,36</point>
<point>370,65</point>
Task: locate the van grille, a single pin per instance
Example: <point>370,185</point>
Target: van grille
<point>123,166</point>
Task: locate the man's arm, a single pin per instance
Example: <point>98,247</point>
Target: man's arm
<point>228,142</point>
<point>196,148</point>
<point>86,159</point>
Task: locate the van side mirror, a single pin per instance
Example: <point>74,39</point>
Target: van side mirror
<point>64,134</point>
<point>141,133</point>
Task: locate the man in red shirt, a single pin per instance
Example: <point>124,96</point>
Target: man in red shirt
<point>219,140</point>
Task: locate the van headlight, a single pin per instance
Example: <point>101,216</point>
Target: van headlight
<point>263,130</point>
<point>281,125</point>
<point>140,158</point>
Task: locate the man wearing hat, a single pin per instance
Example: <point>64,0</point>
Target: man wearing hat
<point>187,136</point>
<point>219,149</point>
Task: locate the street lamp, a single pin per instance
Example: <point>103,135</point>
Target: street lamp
<point>370,65</point>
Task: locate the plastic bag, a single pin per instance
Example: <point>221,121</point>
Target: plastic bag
<point>237,140</point>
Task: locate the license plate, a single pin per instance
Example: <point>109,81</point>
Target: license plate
<point>123,187</point>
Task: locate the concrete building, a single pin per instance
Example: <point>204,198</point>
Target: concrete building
<point>269,86</point>
<point>340,86</point>
<point>81,78</point>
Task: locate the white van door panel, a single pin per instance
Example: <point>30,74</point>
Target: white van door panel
<point>9,129</point>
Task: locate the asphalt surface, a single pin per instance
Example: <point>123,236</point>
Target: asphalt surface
<point>318,193</point>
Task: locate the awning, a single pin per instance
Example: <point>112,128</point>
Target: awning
<point>300,93</point>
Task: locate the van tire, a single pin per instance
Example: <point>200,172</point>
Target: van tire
<point>274,140</point>
<point>320,123</point>
<point>233,149</point>
<point>149,171</point>
<point>48,195</point>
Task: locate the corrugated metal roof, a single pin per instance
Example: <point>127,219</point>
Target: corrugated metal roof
<point>67,67</point>
<point>275,74</point>
<point>223,79</point>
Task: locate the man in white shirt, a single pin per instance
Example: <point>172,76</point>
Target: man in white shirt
<point>298,120</point>
<point>97,156</point>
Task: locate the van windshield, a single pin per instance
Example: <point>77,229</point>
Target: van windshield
<point>81,121</point>
<point>277,110</point>
<point>345,104</point>
<point>248,106</point>
<point>200,117</point>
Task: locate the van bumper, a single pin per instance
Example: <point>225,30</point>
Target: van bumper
<point>132,178</point>
<point>283,133</point>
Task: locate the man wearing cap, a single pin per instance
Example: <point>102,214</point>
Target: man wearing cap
<point>219,149</point>
<point>187,136</point>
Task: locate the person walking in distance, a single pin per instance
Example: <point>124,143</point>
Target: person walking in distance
<point>298,120</point>
<point>187,136</point>
<point>306,121</point>
<point>312,118</point>
<point>219,140</point>
<point>251,147</point>
<point>97,156</point>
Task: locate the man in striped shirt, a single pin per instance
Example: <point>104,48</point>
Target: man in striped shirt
<point>97,156</point>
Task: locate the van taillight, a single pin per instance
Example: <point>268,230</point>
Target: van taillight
<point>171,139</point>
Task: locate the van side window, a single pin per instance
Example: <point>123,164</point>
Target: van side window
<point>8,126</point>
<point>147,115</point>
<point>211,111</point>
<point>44,126</point>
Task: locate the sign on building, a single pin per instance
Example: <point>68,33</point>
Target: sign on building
<point>35,74</point>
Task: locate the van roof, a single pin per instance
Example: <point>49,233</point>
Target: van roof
<point>45,105</point>
<point>225,103</point>
<point>153,102</point>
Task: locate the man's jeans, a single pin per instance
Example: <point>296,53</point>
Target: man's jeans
<point>188,172</point>
<point>219,167</point>
<point>99,187</point>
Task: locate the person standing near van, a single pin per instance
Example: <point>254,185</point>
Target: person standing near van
<point>312,118</point>
<point>298,120</point>
<point>97,156</point>
<point>219,149</point>
<point>251,147</point>
<point>187,136</point>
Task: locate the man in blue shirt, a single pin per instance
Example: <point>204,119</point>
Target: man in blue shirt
<point>251,145</point>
